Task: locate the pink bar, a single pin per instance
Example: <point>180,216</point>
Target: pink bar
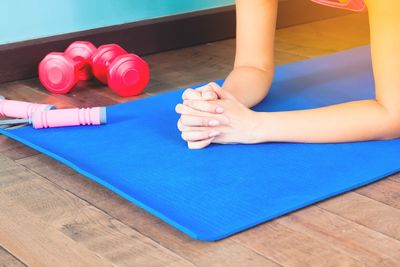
<point>20,109</point>
<point>69,117</point>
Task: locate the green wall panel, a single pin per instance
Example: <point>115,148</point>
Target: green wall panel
<point>29,19</point>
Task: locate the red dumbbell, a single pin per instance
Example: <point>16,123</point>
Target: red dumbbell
<point>127,74</point>
<point>59,72</point>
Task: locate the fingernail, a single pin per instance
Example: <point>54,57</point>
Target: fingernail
<point>219,110</point>
<point>213,134</point>
<point>213,123</point>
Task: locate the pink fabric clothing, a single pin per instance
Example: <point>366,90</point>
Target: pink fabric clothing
<point>353,5</point>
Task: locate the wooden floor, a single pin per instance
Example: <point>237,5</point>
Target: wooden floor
<point>52,216</point>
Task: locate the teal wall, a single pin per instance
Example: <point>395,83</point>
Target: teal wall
<point>29,19</point>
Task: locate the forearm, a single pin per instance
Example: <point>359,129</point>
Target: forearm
<point>353,121</point>
<point>347,122</point>
<point>255,32</point>
<point>251,77</point>
<point>248,84</point>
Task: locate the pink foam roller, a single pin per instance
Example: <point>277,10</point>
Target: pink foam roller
<point>68,117</point>
<point>20,109</point>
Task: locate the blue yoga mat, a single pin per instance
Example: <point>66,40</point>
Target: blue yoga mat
<point>216,192</point>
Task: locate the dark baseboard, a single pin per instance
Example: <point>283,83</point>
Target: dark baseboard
<point>20,60</point>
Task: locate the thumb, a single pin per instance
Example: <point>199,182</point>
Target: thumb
<point>222,94</point>
<point>207,92</point>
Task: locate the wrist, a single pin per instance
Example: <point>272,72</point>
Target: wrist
<point>262,127</point>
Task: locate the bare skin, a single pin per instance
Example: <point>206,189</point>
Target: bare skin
<point>221,115</point>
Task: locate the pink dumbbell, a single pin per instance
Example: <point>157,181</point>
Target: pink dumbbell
<point>68,117</point>
<point>20,109</point>
<point>59,72</point>
<point>126,74</point>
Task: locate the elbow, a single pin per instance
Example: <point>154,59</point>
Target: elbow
<point>388,122</point>
<point>391,129</point>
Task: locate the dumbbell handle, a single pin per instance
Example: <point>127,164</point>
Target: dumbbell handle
<point>20,109</point>
<point>68,117</point>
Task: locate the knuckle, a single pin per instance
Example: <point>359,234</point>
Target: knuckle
<point>210,107</point>
<point>188,102</point>
<point>213,85</point>
<point>194,145</point>
<point>205,106</point>
<point>184,136</point>
<point>185,120</point>
<point>201,105</point>
<point>187,93</point>
<point>184,109</point>
<point>178,108</point>
<point>201,87</point>
<point>223,119</point>
<point>180,126</point>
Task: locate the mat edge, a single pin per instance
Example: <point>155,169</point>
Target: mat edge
<point>173,223</point>
<point>101,182</point>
